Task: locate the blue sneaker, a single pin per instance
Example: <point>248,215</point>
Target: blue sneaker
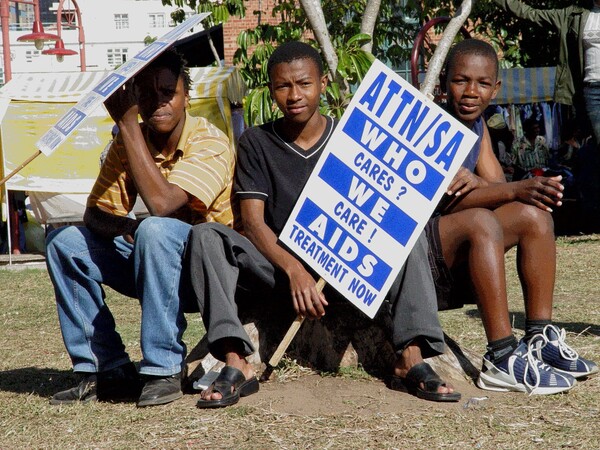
<point>523,372</point>
<point>558,354</point>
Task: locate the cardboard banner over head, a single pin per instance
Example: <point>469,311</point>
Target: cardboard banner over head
<point>383,172</point>
<point>50,141</point>
<point>35,102</point>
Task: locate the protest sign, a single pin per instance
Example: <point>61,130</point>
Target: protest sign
<point>56,135</point>
<point>383,172</point>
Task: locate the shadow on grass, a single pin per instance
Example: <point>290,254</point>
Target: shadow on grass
<point>39,381</point>
<point>518,321</point>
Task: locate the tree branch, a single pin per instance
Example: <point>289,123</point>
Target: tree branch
<point>369,19</point>
<point>316,18</point>
<point>437,61</point>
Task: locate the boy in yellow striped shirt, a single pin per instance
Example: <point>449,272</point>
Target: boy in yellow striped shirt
<point>181,167</point>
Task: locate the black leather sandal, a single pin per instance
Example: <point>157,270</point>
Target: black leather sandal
<point>423,373</point>
<point>229,378</point>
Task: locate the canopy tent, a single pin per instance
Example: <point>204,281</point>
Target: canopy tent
<point>519,85</point>
<point>526,85</point>
<point>31,104</point>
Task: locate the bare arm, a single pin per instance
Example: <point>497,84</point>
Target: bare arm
<point>488,171</point>
<point>108,225</point>
<point>488,167</point>
<point>161,197</point>
<point>494,191</point>
<point>307,301</point>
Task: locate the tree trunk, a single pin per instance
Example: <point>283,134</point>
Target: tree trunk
<point>368,22</point>
<point>437,61</point>
<point>316,18</point>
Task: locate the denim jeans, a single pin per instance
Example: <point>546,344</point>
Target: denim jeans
<point>591,94</point>
<point>80,262</point>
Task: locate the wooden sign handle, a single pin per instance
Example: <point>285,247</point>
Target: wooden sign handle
<point>287,339</point>
<point>14,172</point>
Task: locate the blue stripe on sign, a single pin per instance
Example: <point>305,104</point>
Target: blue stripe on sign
<point>151,51</point>
<point>109,84</point>
<point>395,222</point>
<point>355,127</point>
<point>309,213</point>
<point>69,121</point>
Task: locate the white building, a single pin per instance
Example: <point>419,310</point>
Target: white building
<point>113,31</point>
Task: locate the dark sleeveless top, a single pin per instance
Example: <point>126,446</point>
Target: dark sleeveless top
<point>473,156</point>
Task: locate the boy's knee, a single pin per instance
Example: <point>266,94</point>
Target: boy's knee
<point>533,220</point>
<point>162,234</point>
<point>149,227</point>
<point>154,229</point>
<point>205,235</point>
<point>485,224</point>
<point>60,236</point>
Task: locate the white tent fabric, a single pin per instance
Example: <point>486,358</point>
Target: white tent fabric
<point>31,103</point>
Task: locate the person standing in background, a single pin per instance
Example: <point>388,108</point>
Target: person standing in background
<point>578,72</point>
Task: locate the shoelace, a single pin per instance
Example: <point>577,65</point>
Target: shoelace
<point>564,349</point>
<point>536,344</point>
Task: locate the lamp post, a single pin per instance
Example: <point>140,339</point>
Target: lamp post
<point>38,36</point>
<point>59,49</point>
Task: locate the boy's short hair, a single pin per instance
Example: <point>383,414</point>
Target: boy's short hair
<point>470,47</point>
<point>175,62</point>
<point>292,51</point>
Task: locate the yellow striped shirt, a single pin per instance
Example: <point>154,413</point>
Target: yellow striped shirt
<point>202,166</point>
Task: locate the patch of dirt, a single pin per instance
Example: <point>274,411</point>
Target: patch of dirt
<point>315,395</point>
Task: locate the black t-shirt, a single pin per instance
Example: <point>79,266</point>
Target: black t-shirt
<point>273,170</point>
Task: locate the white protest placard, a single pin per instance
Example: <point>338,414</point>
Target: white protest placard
<point>56,135</point>
<point>383,172</point>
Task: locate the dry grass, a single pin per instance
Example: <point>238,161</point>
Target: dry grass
<point>352,411</point>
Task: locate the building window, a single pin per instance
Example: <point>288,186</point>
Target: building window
<point>157,20</point>
<point>121,21</point>
<point>116,56</point>
<point>31,55</point>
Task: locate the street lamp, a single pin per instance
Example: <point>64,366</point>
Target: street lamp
<point>59,49</point>
<point>38,36</point>
<point>60,52</point>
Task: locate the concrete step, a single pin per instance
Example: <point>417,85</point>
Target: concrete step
<point>23,261</point>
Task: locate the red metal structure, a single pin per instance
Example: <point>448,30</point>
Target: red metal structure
<point>59,49</point>
<point>38,36</point>
<point>414,56</point>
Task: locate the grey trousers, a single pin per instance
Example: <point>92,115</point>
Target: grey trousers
<point>221,260</point>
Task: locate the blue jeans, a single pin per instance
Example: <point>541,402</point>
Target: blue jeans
<point>80,262</point>
<point>591,94</point>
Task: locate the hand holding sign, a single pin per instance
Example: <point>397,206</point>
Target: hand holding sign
<point>308,299</point>
<point>123,103</point>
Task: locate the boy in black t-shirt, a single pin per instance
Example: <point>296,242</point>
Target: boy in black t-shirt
<point>274,162</point>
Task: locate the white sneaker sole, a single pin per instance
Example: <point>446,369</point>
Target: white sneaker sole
<point>592,371</point>
<point>493,384</point>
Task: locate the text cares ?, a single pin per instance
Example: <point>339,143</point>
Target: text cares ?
<point>378,181</point>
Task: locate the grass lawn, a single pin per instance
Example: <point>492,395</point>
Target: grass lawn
<point>301,410</point>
